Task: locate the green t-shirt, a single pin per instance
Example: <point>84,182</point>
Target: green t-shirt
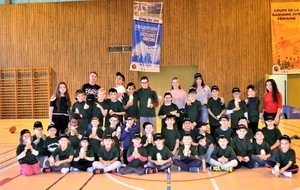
<point>74,140</point>
<point>165,110</point>
<point>193,150</point>
<point>63,155</point>
<point>134,109</point>
<point>164,152</point>
<point>96,112</point>
<point>108,155</point>
<point>86,113</point>
<point>258,147</point>
<point>40,145</point>
<point>137,162</point>
<point>236,114</point>
<point>89,153</point>
<point>170,137</point>
<point>228,152</point>
<point>149,145</point>
<point>271,136</point>
<point>115,107</point>
<point>193,134</point>
<point>193,111</point>
<point>94,143</point>
<point>29,159</point>
<point>144,95</point>
<point>228,133</point>
<point>216,107</point>
<point>208,136</point>
<point>284,158</point>
<point>252,107</point>
<point>241,146</point>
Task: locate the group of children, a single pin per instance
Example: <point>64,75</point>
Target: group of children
<point>99,141</point>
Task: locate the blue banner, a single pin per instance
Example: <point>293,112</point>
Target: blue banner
<point>147,32</point>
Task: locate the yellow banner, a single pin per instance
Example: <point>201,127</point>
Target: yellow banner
<point>285,18</point>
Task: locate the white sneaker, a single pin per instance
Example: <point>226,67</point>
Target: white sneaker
<point>287,174</point>
<point>64,170</point>
<point>90,169</point>
<point>179,169</point>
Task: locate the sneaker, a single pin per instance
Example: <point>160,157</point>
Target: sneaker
<point>148,171</point>
<point>215,168</point>
<point>90,169</point>
<point>98,171</point>
<point>229,169</point>
<point>167,170</point>
<point>72,169</point>
<point>179,169</point>
<point>65,170</point>
<point>256,165</point>
<point>47,170</point>
<point>194,169</point>
<point>287,174</point>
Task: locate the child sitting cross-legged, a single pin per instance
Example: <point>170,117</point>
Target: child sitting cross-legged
<point>187,156</point>
<point>136,157</point>
<point>223,157</point>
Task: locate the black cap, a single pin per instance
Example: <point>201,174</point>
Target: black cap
<point>136,135</point>
<point>158,136</point>
<point>85,138</point>
<point>197,75</point>
<point>224,117</point>
<point>214,87</point>
<point>51,126</point>
<point>242,127</point>
<point>37,124</point>
<point>199,137</point>
<point>221,137</point>
<point>63,136</point>
<point>187,119</point>
<point>24,131</point>
<point>243,117</point>
<point>235,89</point>
<point>192,90</point>
<point>269,117</point>
<point>258,130</point>
<point>121,75</point>
<point>285,137</point>
<point>107,136</point>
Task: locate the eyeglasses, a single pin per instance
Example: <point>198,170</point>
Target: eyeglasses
<point>113,120</point>
<point>144,82</point>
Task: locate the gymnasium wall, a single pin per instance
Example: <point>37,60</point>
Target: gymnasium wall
<point>229,40</point>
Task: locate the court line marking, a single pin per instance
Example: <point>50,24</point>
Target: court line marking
<point>57,181</point>
<point>212,180</point>
<point>87,181</point>
<point>8,156</point>
<point>169,181</point>
<point>7,151</point>
<point>121,183</point>
<point>8,166</point>
<point>7,160</point>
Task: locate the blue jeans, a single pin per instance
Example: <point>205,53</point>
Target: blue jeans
<point>204,114</point>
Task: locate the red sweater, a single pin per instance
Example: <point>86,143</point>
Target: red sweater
<point>271,106</point>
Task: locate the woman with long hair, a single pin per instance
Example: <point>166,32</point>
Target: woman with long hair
<point>272,101</point>
<point>59,109</point>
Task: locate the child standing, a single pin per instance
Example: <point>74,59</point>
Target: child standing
<point>252,103</point>
<point>236,108</point>
<point>216,108</point>
<point>100,107</point>
<point>120,78</point>
<point>95,135</point>
<point>115,107</point>
<point>224,129</point>
<point>159,157</point>
<point>242,147</point>
<point>171,135</point>
<point>193,108</point>
<point>187,129</point>
<point>223,157</point>
<point>127,132</point>
<point>147,139</point>
<point>168,108</point>
<point>108,156</point>
<point>81,111</point>
<point>261,150</point>
<point>272,134</point>
<point>73,134</point>
<point>136,157</point>
<point>187,156</point>
<point>130,102</point>
<point>26,155</point>
<point>38,139</point>
<point>61,158</point>
<point>84,157</point>
<point>285,159</point>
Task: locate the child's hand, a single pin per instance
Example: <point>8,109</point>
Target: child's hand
<point>282,170</point>
<point>129,103</point>
<point>204,171</point>
<point>57,163</point>
<point>240,159</point>
<point>246,159</point>
<point>76,111</point>
<point>29,147</point>
<point>111,112</point>
<point>236,109</point>
<point>86,106</point>
<point>246,100</point>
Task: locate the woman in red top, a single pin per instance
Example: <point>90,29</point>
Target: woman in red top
<point>272,101</point>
